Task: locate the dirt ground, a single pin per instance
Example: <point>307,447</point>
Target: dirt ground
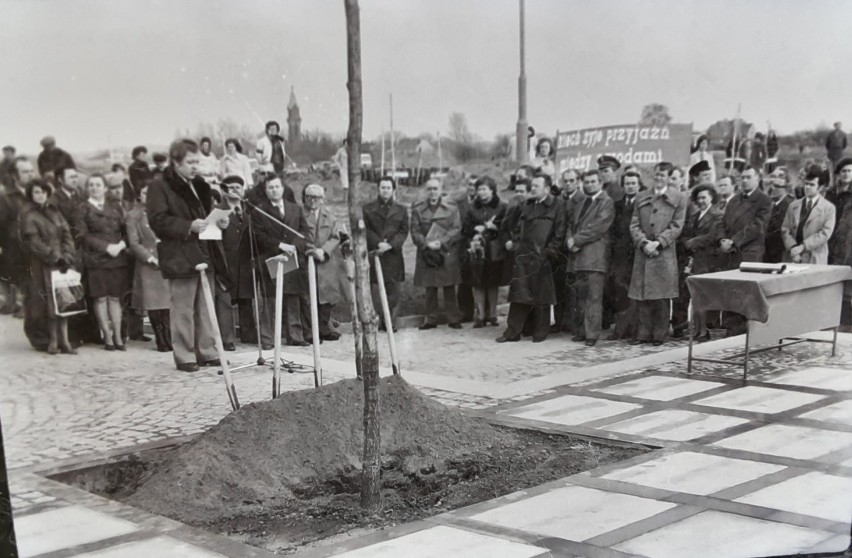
<point>284,475</point>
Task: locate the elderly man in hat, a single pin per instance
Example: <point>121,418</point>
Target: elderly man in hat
<point>436,231</point>
<point>52,157</point>
<point>779,193</point>
<point>326,232</point>
<point>655,226</point>
<point>238,249</point>
<point>607,167</point>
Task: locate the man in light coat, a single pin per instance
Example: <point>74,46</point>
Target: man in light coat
<point>656,224</point>
<point>588,241</point>
<point>436,231</point>
<point>808,225</point>
<point>332,283</point>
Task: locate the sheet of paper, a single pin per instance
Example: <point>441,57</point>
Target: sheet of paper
<point>210,232</point>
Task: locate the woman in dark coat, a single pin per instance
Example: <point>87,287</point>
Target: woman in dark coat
<point>150,289</point>
<point>483,265</point>
<point>699,236</point>
<point>99,224</point>
<point>47,242</point>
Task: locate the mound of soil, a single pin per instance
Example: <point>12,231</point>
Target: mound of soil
<point>266,450</point>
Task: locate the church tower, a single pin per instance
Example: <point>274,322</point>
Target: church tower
<point>294,120</point>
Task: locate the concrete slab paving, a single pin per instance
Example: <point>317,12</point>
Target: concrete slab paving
<point>573,409</point>
<point>58,529</point>
<point>816,494</point>
<point>674,424</point>
<point>157,547</point>
<point>840,412</point>
<point>574,512</point>
<point>759,400</point>
<point>835,379</point>
<point>693,473</point>
<point>797,442</point>
<point>660,388</point>
<point>446,542</point>
<point>713,534</point>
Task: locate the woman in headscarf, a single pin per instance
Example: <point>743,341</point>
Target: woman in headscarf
<point>46,239</point>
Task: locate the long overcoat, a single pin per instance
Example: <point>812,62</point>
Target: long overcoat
<point>445,218</point>
<point>622,253</point>
<point>270,234</point>
<point>745,222</point>
<point>332,282</point>
<point>238,251</point>
<point>150,289</point>
<point>817,230</point>
<point>699,240</point>
<point>656,218</point>
<point>539,234</point>
<point>591,233</point>
<point>485,271</point>
<point>98,228</point>
<point>386,222</point>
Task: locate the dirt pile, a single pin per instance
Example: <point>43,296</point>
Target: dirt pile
<point>261,452</point>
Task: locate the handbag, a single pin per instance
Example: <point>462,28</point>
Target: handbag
<point>67,294</point>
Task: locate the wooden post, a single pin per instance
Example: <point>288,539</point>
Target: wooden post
<point>211,314</point>
<point>312,284</point>
<point>386,313</point>
<point>371,483</point>
<point>276,340</point>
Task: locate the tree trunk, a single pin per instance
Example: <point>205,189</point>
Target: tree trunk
<point>371,499</point>
<point>7,529</point>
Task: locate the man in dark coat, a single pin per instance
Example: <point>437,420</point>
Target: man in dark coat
<point>386,224</point>
<point>540,234</point>
<point>841,196</point>
<point>178,204</point>
<point>464,290</point>
<point>138,172</point>
<point>835,143</point>
<point>66,196</point>
<point>607,166</point>
<point>779,193</point>
<point>743,234</point>
<point>51,158</point>
<point>572,308</point>
<point>588,241</point>
<point>238,249</point>
<point>13,202</point>
<point>621,261</point>
<point>569,193</point>
<point>6,168</point>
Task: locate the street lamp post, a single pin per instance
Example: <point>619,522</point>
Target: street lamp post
<point>522,150</point>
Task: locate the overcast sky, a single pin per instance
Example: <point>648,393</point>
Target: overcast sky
<point>94,72</point>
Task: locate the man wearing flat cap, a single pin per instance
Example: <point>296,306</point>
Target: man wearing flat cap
<point>607,165</point>
<point>51,158</point>
<point>238,253</point>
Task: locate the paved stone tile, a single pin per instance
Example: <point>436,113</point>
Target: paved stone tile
<point>835,379</point>
<point>159,547</point>
<point>797,442</point>
<point>840,412</point>
<point>574,512</point>
<point>67,527</point>
<point>572,409</point>
<point>660,388</point>
<point>693,473</point>
<point>446,542</point>
<point>759,399</point>
<point>675,425</point>
<point>815,494</point>
<point>713,534</point>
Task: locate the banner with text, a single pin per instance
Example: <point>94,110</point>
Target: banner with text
<point>631,143</point>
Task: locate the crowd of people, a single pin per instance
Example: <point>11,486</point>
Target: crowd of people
<point>597,254</point>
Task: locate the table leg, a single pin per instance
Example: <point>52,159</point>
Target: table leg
<point>834,342</point>
<point>691,336</point>
<point>745,359</point>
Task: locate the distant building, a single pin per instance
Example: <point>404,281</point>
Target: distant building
<point>294,120</point>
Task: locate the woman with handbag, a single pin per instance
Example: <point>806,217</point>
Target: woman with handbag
<point>46,239</point>
<point>150,289</point>
<point>99,223</point>
<point>483,266</point>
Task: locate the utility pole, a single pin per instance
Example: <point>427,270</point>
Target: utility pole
<point>371,482</point>
<point>522,150</point>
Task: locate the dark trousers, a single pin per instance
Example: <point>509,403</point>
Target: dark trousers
<point>291,328</point>
<point>392,292</point>
<point>433,309</point>
<point>465,301</point>
<point>560,309</point>
<point>161,324</point>
<point>573,312</point>
<point>590,287</point>
<point>626,321</point>
<point>225,315</point>
<point>245,315</point>
<point>653,316</point>
<point>519,314</point>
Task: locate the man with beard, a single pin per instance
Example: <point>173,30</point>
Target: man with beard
<point>178,204</point>
<point>540,233</point>
<point>386,224</point>
<point>656,224</point>
<point>588,242</point>
<point>779,193</point>
<point>621,262</point>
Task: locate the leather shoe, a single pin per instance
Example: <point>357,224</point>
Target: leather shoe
<point>214,362</point>
<point>539,339</point>
<point>704,338</point>
<point>142,337</point>
<point>455,325</point>
<point>613,337</point>
<point>333,336</point>
<point>578,338</point>
<point>477,324</point>
<point>300,343</point>
<point>635,342</point>
<point>229,347</point>
<point>591,342</point>
<point>267,346</point>
<point>657,342</point>
<point>188,367</point>
<point>504,339</point>
<point>427,326</point>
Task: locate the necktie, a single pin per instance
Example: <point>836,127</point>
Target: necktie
<point>803,216</point>
<point>586,204</point>
<point>238,211</point>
